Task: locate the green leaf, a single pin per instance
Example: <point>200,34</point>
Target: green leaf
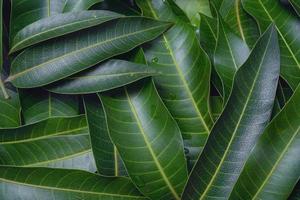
<point>38,105</point>
<point>230,53</point>
<point>184,85</point>
<point>63,184</point>
<point>78,5</point>
<point>106,76</point>
<point>246,114</point>
<point>296,5</point>
<point>288,27</point>
<point>240,21</point>
<point>126,7</point>
<point>272,170</point>
<point>147,138</point>
<point>52,61</point>
<point>55,142</point>
<point>216,106</point>
<point>107,158</point>
<point>296,192</point>
<point>58,25</point>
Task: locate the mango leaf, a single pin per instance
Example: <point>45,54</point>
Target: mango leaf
<point>78,5</point>
<point>38,105</point>
<point>230,53</point>
<point>240,21</point>
<point>67,55</point>
<point>57,25</point>
<point>245,116</point>
<point>55,142</point>
<point>184,85</point>
<point>63,184</point>
<point>296,5</point>
<point>296,192</point>
<point>126,7</point>
<point>216,106</point>
<point>106,76</point>
<point>146,135</point>
<point>107,158</point>
<point>288,27</point>
<point>266,174</point>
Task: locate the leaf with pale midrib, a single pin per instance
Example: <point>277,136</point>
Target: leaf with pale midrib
<point>103,77</point>
<point>63,184</point>
<point>272,170</point>
<point>67,55</point>
<point>147,138</point>
<point>246,114</point>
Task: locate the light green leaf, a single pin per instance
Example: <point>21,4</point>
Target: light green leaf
<point>57,25</point>
<point>106,76</point>
<point>63,184</point>
<point>147,138</point>
<point>107,158</point>
<point>245,116</point>
<point>288,27</point>
<point>272,170</point>
<point>78,5</point>
<point>184,85</point>
<point>52,61</point>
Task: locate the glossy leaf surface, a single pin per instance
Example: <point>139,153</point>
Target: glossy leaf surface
<point>148,140</point>
<point>67,55</point>
<point>63,184</point>
<point>57,25</point>
<point>245,116</point>
<point>288,27</point>
<point>106,76</point>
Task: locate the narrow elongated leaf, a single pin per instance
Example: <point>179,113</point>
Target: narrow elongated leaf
<point>240,21</point>
<point>296,192</point>
<point>106,76</point>
<point>148,140</point>
<point>58,25</point>
<point>77,5</point>
<point>56,142</point>
<point>107,158</point>
<point>184,85</point>
<point>62,184</point>
<point>296,5</point>
<point>245,116</point>
<point>272,170</point>
<point>230,53</point>
<point>288,27</point>
<point>38,105</point>
<point>46,63</point>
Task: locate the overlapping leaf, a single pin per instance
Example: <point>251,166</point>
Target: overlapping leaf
<point>63,184</point>
<point>288,27</point>
<point>245,116</point>
<point>296,192</point>
<point>106,76</point>
<point>148,140</point>
<point>296,5</point>
<point>78,5</point>
<point>272,170</point>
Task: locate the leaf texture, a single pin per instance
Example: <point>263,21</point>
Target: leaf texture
<point>46,63</point>
<point>62,184</point>
<point>288,27</point>
<point>147,139</point>
<point>245,116</point>
<point>272,170</point>
<point>184,85</point>
<point>296,5</point>
<point>78,5</point>
<point>106,76</point>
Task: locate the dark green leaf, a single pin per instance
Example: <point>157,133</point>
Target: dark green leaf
<point>148,140</point>
<point>57,59</point>
<point>272,170</point>
<point>216,106</point>
<point>63,184</point>
<point>245,116</point>
<point>78,5</point>
<point>288,27</point>
<point>106,76</point>
<point>296,5</point>
<point>296,192</point>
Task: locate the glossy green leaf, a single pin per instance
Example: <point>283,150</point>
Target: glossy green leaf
<point>107,158</point>
<point>57,25</point>
<point>38,105</point>
<point>216,106</point>
<point>148,140</point>
<point>46,63</point>
<point>63,184</point>
<point>230,53</point>
<point>288,27</point>
<point>106,76</point>
<point>240,21</point>
<point>184,85</point>
<point>55,142</point>
<point>246,114</point>
<point>78,5</point>
<point>126,7</point>
<point>296,5</point>
<point>272,170</point>
<point>296,192</point>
